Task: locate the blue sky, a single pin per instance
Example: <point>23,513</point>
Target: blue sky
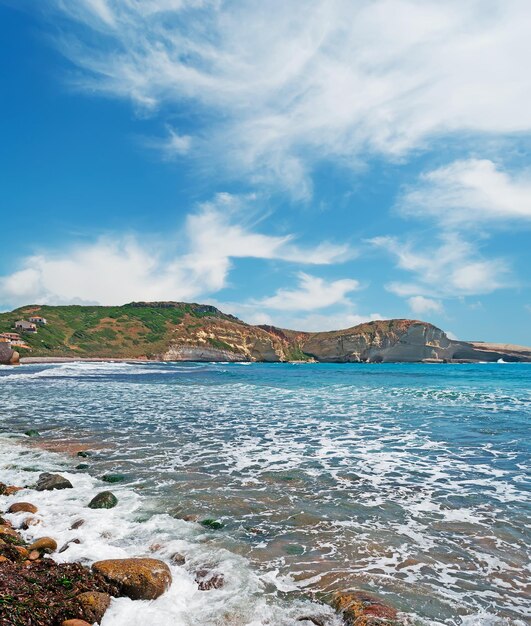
<point>313,169</point>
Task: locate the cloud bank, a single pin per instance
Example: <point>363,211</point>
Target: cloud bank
<point>277,89</point>
<point>192,263</point>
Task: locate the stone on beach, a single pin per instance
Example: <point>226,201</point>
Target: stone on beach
<point>93,605</point>
<point>44,544</point>
<point>9,532</point>
<point>103,500</point>
<point>22,507</point>
<point>77,524</point>
<point>48,482</point>
<point>75,622</point>
<point>207,579</point>
<point>8,490</point>
<point>137,578</point>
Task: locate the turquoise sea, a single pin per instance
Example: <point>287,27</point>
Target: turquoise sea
<point>411,481</point>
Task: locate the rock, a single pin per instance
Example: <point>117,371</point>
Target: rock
<point>113,478</point>
<point>82,466</point>
<point>20,507</point>
<point>22,551</point>
<point>77,524</point>
<point>212,524</point>
<point>30,521</point>
<point>207,579</point>
<point>84,454</point>
<point>104,500</point>
<point>362,609</point>
<point>65,547</point>
<point>178,559</point>
<point>32,433</point>
<point>93,605</point>
<point>75,622</point>
<point>138,579</point>
<point>44,544</point>
<point>48,482</point>
<point>9,532</point>
<point>10,490</point>
<point>7,355</point>
<point>34,555</point>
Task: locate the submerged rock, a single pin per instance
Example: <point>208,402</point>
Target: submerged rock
<point>359,608</point>
<point>113,478</point>
<point>138,579</point>
<point>82,466</point>
<point>48,482</point>
<point>77,524</point>
<point>207,579</point>
<point>22,507</point>
<point>93,605</point>
<point>212,524</point>
<point>32,433</point>
<point>103,500</point>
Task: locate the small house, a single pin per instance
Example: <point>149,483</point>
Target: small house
<point>10,336</point>
<point>37,319</point>
<point>27,327</point>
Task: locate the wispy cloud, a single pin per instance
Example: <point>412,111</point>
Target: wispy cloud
<point>279,89</point>
<point>192,263</point>
<point>451,268</point>
<point>470,192</point>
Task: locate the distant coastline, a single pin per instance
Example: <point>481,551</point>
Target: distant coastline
<point>180,331</point>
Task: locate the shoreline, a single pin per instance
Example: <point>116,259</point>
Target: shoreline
<point>92,590</point>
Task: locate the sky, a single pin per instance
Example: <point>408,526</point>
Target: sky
<point>312,165</point>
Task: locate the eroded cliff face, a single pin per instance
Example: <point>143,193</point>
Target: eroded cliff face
<point>381,341</point>
<point>216,339</point>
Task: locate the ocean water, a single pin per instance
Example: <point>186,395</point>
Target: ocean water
<point>406,480</point>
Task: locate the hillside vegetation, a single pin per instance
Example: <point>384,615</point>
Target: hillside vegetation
<point>132,330</point>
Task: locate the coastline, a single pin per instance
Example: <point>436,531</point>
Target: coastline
<point>41,543</point>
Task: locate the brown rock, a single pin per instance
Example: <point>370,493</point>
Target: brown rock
<point>207,579</point>
<point>11,490</point>
<point>34,555</point>
<point>362,609</point>
<point>178,559</point>
<point>44,544</point>
<point>75,622</point>
<point>23,552</point>
<point>138,579</point>
<point>3,558</point>
<point>22,507</point>
<point>93,605</point>
<point>9,532</point>
<point>30,521</point>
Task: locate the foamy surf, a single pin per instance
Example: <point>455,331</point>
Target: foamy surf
<point>129,530</point>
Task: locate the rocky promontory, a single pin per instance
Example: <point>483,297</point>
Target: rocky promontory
<point>179,331</point>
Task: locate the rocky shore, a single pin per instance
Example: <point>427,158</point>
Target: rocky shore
<point>37,589</point>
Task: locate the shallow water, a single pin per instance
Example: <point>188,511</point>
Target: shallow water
<point>410,481</point>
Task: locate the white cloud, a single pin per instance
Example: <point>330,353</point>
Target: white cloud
<point>120,269</point>
<point>312,293</point>
<point>275,89</point>
<point>450,268</point>
<point>421,305</point>
<point>469,192</point>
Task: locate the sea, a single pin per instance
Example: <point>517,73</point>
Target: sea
<point>407,481</point>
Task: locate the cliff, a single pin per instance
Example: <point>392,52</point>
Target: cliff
<point>179,331</point>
